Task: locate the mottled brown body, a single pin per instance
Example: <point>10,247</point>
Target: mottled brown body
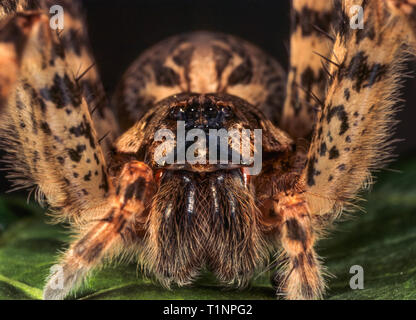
<point>320,141</point>
<point>201,62</point>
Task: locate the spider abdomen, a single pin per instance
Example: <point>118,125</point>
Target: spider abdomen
<point>201,62</point>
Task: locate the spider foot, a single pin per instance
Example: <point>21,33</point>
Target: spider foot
<point>301,278</point>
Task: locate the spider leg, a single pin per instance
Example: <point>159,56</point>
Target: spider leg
<point>406,9</point>
<point>352,135</point>
<point>105,236</point>
<point>74,39</point>
<point>11,48</point>
<point>310,42</point>
<point>81,67</point>
<point>47,130</point>
<point>301,275</point>
<point>350,140</point>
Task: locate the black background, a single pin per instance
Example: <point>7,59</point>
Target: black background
<point>120,30</point>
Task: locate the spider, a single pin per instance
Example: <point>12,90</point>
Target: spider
<point>325,127</point>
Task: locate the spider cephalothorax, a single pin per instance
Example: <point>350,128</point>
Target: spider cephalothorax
<point>202,214</point>
<point>172,191</point>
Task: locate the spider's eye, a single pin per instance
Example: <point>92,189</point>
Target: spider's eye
<point>177,113</point>
<point>227,111</point>
<point>192,112</point>
<point>210,110</point>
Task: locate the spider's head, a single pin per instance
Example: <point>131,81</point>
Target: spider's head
<point>202,133</point>
<point>202,163</point>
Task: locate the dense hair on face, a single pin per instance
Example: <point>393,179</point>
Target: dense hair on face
<point>200,221</point>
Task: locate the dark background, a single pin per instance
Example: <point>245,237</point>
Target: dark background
<point>120,30</point>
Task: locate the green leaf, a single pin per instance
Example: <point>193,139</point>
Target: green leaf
<point>382,240</point>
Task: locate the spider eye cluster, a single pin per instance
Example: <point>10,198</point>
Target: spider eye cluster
<point>206,115</point>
